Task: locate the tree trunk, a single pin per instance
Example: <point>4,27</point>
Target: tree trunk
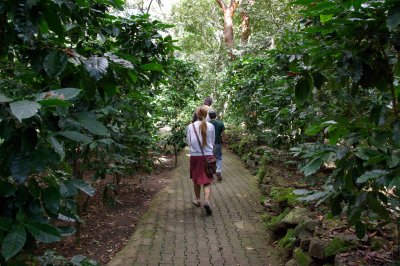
<point>229,11</point>
<point>245,28</point>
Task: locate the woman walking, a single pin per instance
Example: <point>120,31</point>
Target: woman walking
<point>201,137</point>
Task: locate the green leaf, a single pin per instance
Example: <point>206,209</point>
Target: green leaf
<point>83,186</point>
<point>61,94</point>
<point>312,166</point>
<point>152,67</point>
<point>32,3</point>
<point>376,206</point>
<point>54,22</point>
<point>393,160</point>
<point>325,18</point>
<point>374,174</point>
<point>75,136</point>
<point>24,109</point>
<point>396,132</point>
<point>96,67</point>
<point>302,2</point>
<point>44,233</point>
<point>51,199</point>
<point>7,189</point>
<point>88,121</point>
<point>54,102</point>
<point>4,99</point>
<point>303,88</point>
<point>360,229</point>
<point>57,146</point>
<point>313,130</point>
<point>55,63</point>
<point>13,242</point>
<point>395,182</point>
<point>393,18</point>
<point>132,76</point>
<point>20,167</point>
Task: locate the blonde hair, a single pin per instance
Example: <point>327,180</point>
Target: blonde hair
<point>201,114</point>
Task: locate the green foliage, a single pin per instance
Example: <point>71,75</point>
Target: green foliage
<point>77,94</point>
<point>276,220</point>
<point>288,240</point>
<point>50,258</point>
<point>330,90</point>
<point>302,258</point>
<point>336,246</point>
<point>284,195</point>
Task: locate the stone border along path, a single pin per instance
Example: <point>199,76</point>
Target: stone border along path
<point>175,232</point>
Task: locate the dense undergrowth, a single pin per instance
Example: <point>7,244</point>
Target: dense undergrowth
<point>82,91</point>
<point>330,92</point>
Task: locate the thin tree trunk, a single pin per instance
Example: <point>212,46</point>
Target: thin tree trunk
<point>245,28</point>
<point>229,11</point>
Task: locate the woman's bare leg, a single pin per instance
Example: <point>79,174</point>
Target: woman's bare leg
<point>197,189</point>
<point>207,193</point>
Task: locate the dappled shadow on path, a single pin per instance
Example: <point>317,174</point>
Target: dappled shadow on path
<point>175,232</point>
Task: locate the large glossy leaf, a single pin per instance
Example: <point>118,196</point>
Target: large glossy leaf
<point>51,198</point>
<point>54,22</point>
<point>304,88</point>
<point>312,167</point>
<point>152,67</point>
<point>396,132</point>
<point>24,109</point>
<point>20,167</point>
<point>88,121</point>
<point>374,174</point>
<point>44,233</point>
<point>55,63</point>
<point>7,189</point>
<point>360,229</point>
<point>75,136</point>
<point>13,242</point>
<point>394,159</point>
<point>96,66</point>
<point>375,205</point>
<point>118,60</point>
<point>393,18</point>
<point>54,102</point>
<point>4,99</point>
<point>57,146</point>
<point>83,186</point>
<point>62,94</point>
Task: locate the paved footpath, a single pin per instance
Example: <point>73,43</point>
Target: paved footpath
<point>175,232</point>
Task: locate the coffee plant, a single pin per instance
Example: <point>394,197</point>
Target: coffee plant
<point>331,89</point>
<point>77,86</point>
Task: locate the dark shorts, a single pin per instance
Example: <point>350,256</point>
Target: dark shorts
<point>197,172</point>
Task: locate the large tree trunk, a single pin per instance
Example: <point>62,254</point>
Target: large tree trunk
<point>229,11</point>
<point>245,28</point>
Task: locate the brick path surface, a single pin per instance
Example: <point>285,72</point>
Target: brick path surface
<point>175,232</point>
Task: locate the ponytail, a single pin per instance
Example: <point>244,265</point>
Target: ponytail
<point>203,130</point>
<point>201,113</point>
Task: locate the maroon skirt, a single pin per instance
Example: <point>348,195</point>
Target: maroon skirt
<point>197,172</point>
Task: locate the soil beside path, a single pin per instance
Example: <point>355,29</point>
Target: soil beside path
<point>175,232</point>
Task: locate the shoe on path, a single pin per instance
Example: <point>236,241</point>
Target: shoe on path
<point>196,203</point>
<point>208,209</point>
<point>219,176</point>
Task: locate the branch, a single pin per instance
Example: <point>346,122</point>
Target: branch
<point>235,4</point>
<point>221,4</point>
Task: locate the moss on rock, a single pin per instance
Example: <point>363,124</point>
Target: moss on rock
<point>288,240</point>
<point>336,246</point>
<point>284,195</point>
<point>302,258</point>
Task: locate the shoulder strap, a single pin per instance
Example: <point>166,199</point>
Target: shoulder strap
<point>198,140</point>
